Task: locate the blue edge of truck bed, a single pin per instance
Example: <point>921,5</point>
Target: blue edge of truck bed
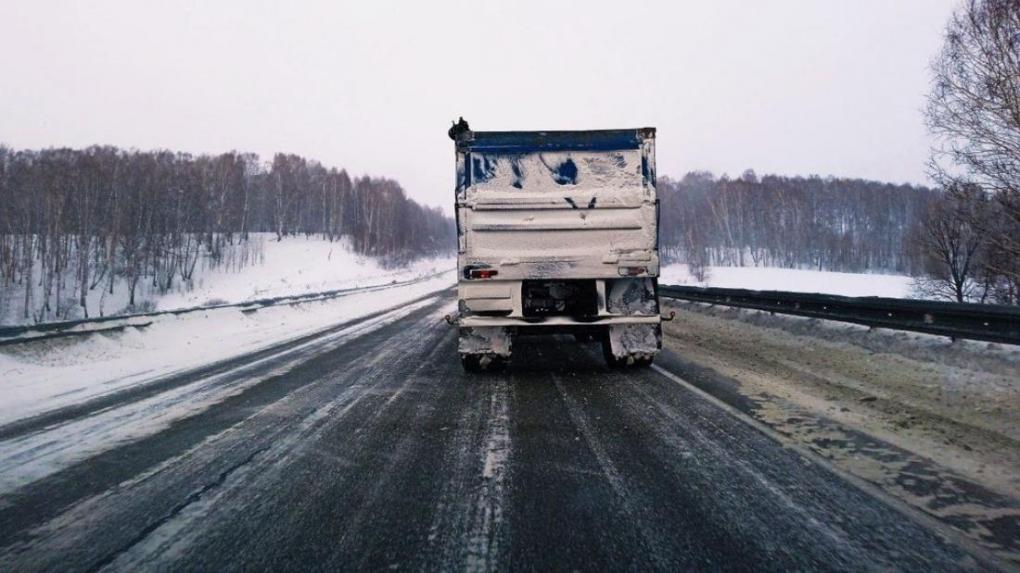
<point>531,141</point>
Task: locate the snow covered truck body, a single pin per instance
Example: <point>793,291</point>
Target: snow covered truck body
<point>557,233</point>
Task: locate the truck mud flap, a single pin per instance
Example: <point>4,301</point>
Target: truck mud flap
<point>485,340</point>
<point>630,340</point>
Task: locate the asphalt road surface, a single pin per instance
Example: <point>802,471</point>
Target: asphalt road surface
<point>377,452</point>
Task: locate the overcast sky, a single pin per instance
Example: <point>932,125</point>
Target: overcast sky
<point>791,87</point>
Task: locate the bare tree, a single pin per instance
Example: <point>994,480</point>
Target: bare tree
<point>974,109</point>
<point>951,247</point>
<point>76,221</point>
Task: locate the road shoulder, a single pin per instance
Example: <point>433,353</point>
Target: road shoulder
<point>935,432</point>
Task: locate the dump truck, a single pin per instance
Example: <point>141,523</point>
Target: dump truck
<point>557,234</point>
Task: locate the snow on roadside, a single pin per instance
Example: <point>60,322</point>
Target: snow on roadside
<point>33,456</point>
<point>38,377</point>
<point>261,267</point>
<point>295,265</point>
<point>795,280</point>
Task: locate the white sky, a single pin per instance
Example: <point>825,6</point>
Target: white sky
<point>792,87</point>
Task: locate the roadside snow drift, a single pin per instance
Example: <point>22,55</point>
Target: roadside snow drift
<point>294,265</point>
<point>794,280</point>
<point>41,376</point>
<point>260,267</point>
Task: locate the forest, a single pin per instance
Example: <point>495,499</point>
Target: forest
<point>833,224</point>
<point>72,221</point>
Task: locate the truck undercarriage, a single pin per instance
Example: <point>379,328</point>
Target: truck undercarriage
<point>623,316</point>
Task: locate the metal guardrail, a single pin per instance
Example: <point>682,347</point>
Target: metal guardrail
<point>991,323</point>
<point>47,330</point>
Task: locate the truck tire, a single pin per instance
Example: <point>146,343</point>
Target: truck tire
<point>475,363</point>
<point>643,361</point>
<point>607,352</point>
<point>631,361</point>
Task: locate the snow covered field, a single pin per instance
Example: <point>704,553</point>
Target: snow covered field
<point>796,280</point>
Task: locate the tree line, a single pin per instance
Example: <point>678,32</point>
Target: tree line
<point>75,220</point>
<point>833,224</point>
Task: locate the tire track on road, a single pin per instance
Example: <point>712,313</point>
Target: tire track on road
<point>175,459</point>
<point>485,540</point>
<point>356,494</point>
<point>624,492</point>
<point>33,457</point>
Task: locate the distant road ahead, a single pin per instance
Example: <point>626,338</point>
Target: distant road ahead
<point>379,453</point>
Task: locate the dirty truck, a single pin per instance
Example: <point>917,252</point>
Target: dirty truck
<point>557,234</point>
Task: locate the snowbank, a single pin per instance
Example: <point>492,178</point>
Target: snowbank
<point>261,267</point>
<point>795,280</point>
<point>38,377</point>
<point>295,265</point>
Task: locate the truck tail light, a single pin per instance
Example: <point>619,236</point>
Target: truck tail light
<point>632,271</point>
<point>483,273</point>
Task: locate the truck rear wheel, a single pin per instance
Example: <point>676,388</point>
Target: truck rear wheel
<point>475,363</point>
<point>639,360</point>
<point>643,361</point>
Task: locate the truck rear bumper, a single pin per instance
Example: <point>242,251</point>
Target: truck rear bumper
<point>478,321</point>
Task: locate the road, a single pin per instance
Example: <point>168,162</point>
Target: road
<point>374,451</point>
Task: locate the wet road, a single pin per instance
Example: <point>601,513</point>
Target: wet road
<point>371,450</point>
